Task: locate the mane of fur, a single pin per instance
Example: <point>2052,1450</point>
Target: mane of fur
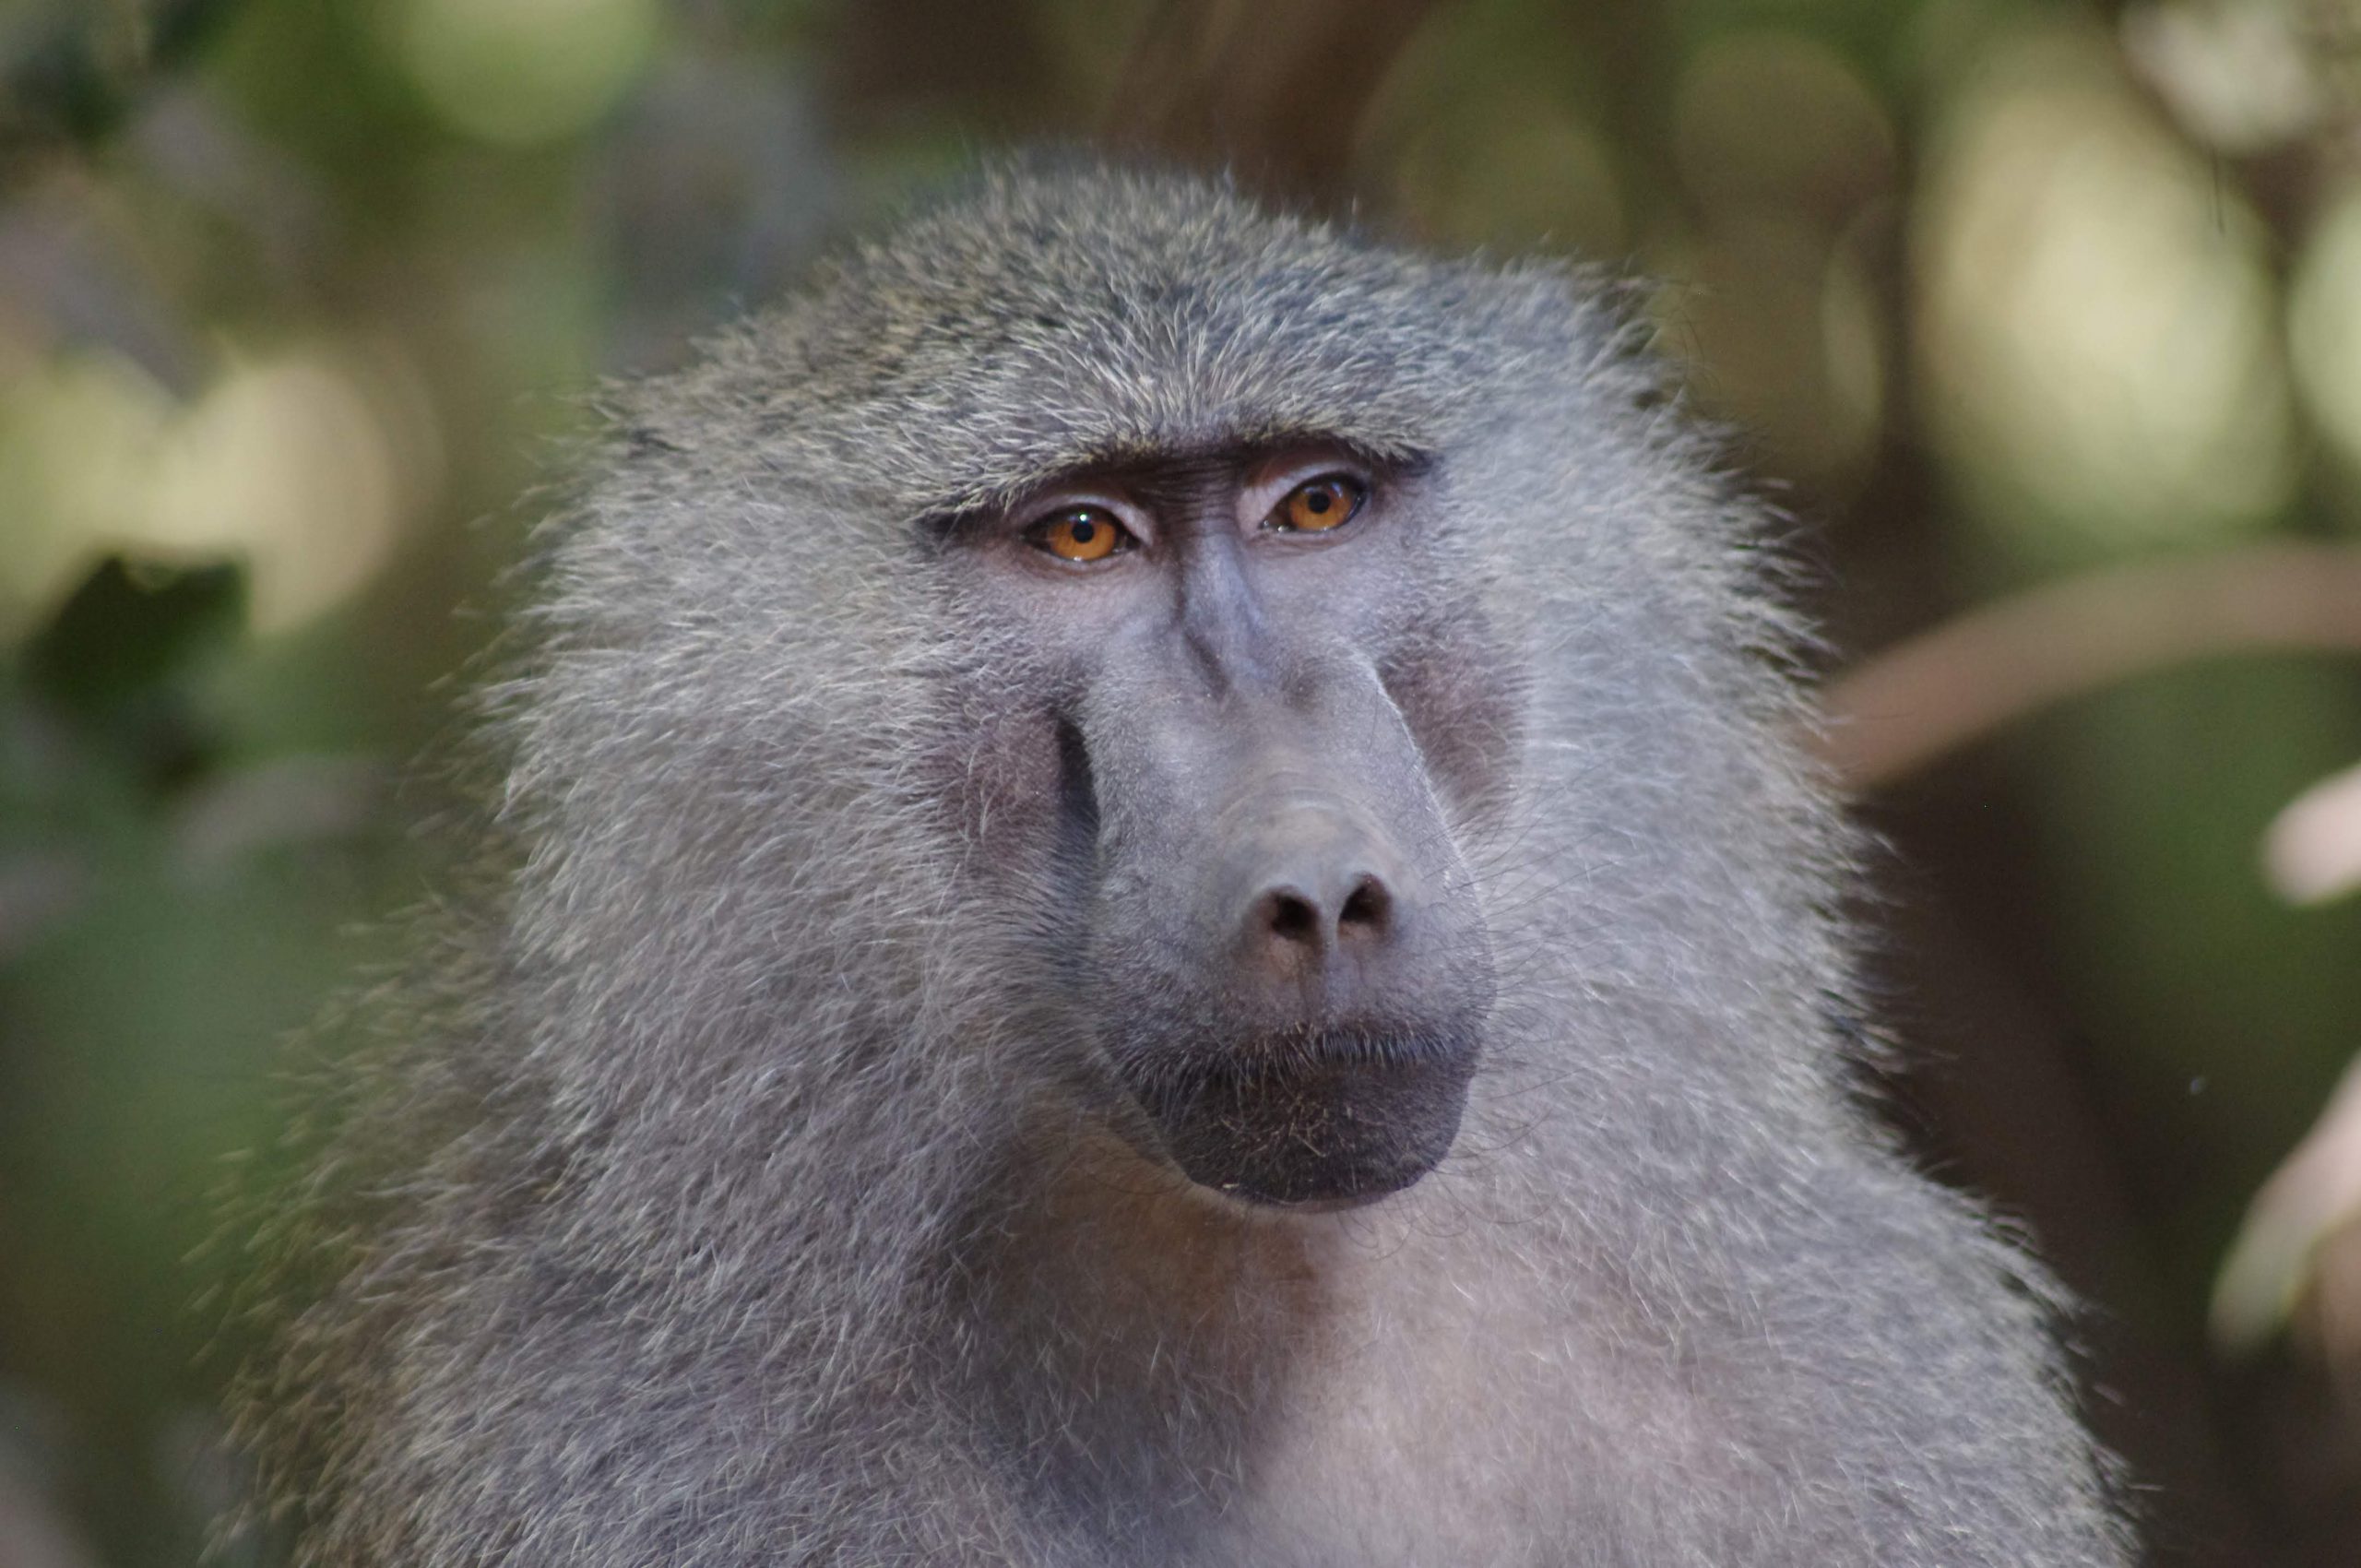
<point>649,1234</point>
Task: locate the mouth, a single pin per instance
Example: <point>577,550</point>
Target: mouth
<point>1323,1121</point>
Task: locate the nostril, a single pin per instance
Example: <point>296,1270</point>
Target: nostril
<point>1369,908</point>
<point>1291,918</point>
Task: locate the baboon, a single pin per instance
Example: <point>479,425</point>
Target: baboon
<point>1163,907</point>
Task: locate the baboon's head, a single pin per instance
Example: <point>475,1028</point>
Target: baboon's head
<point>1177,563</point>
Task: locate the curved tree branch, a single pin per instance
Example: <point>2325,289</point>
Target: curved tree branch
<point>1945,688</point>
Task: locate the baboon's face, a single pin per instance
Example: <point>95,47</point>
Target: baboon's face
<point>1247,716</point>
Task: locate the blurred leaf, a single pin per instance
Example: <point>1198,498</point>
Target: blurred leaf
<point>132,626</point>
<point>112,662</point>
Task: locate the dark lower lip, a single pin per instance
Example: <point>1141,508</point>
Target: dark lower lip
<point>1307,1206</point>
<point>1310,1124</point>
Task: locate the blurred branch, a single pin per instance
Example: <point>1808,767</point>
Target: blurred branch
<point>1274,91</point>
<point>1956,685</point>
<point>296,801</point>
<point>83,74</point>
<point>2312,851</point>
<point>2309,1204</point>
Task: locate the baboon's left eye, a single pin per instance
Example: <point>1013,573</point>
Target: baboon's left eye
<point>1318,504</point>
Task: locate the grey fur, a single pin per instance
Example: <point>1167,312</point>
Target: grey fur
<point>726,1202</point>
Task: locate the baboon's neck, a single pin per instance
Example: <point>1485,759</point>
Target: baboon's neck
<point>1149,1333</point>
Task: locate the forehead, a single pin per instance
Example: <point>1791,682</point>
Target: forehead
<point>1042,324</point>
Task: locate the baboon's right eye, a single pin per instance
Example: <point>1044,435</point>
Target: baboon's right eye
<point>1079,534</point>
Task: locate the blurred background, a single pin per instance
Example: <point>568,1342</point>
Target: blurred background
<point>2043,322</point>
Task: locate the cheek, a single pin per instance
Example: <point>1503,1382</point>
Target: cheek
<point>998,777</point>
<point>1457,683</point>
<point>988,769</point>
<point>1010,779</point>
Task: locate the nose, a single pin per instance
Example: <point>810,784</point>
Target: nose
<point>1294,919</point>
<point>1318,888</point>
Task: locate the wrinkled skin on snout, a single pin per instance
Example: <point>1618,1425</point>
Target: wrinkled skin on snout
<point>1235,754</point>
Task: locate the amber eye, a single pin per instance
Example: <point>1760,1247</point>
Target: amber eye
<point>1080,533</point>
<point>1316,506</point>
